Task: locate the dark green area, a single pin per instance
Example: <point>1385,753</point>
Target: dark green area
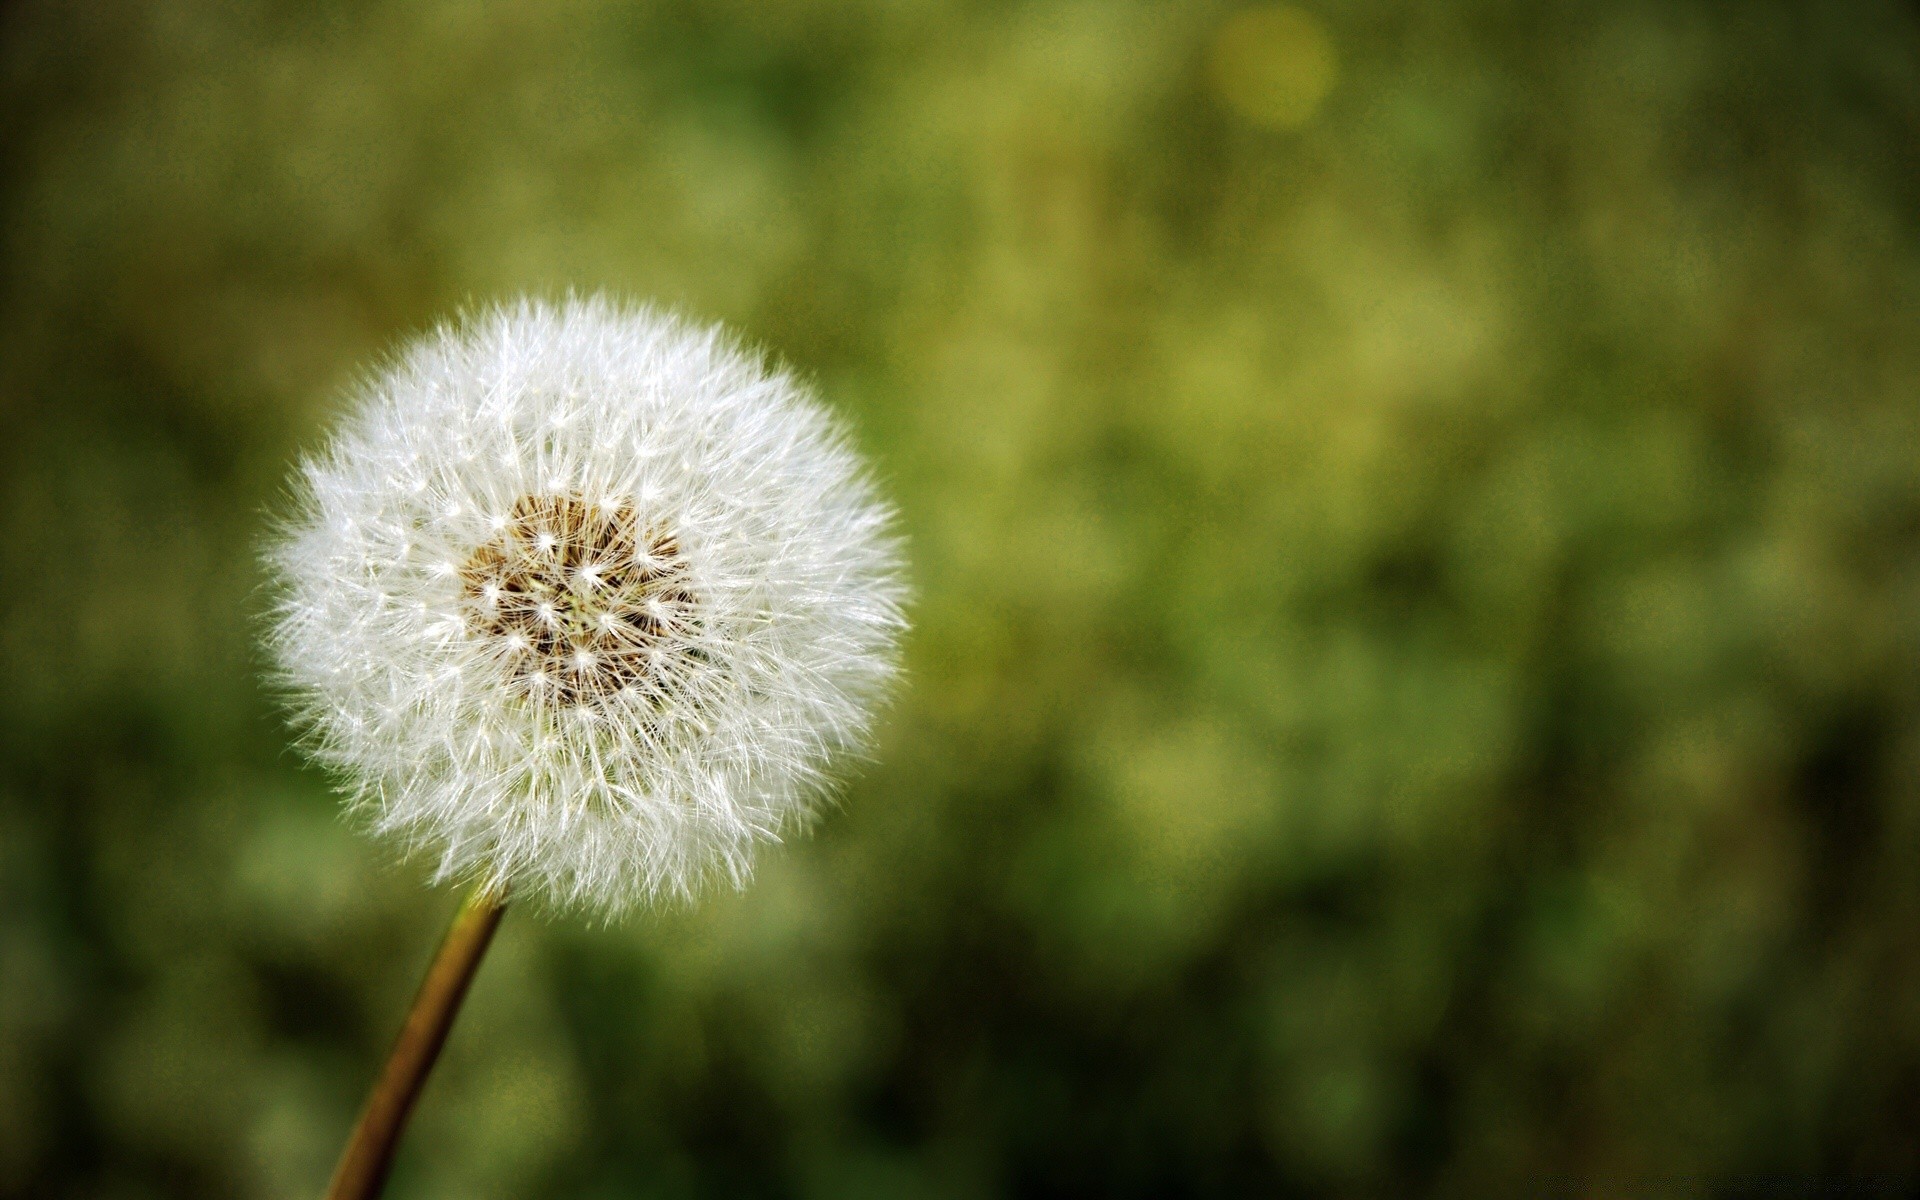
<point>1414,678</point>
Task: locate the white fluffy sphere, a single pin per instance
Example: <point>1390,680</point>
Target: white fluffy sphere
<point>586,600</point>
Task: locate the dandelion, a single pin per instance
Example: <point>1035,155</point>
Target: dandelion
<point>584,602</point>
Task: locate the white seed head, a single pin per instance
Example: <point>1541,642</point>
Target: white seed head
<point>586,600</point>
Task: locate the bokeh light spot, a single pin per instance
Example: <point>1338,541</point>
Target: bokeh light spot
<point>1273,65</point>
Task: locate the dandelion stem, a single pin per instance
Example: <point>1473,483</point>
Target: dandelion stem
<point>364,1164</point>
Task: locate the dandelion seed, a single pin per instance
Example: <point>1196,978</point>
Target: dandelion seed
<point>663,594</point>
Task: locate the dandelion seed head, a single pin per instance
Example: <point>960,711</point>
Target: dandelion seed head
<point>586,600</point>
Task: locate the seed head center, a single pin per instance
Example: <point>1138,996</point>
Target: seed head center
<point>579,601</point>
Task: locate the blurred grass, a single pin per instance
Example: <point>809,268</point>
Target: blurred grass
<point>1417,526</point>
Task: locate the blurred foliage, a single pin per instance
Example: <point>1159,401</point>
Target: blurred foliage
<point>1416,517</point>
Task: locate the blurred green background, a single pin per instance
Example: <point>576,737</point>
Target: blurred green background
<point>1416,519</point>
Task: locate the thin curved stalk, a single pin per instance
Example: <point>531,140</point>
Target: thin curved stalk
<point>364,1164</point>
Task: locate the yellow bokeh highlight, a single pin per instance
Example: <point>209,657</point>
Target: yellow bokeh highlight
<point>1273,65</point>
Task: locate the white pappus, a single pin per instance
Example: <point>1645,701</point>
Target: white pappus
<point>585,600</point>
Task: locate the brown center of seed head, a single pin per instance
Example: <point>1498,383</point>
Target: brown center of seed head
<point>582,602</point>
